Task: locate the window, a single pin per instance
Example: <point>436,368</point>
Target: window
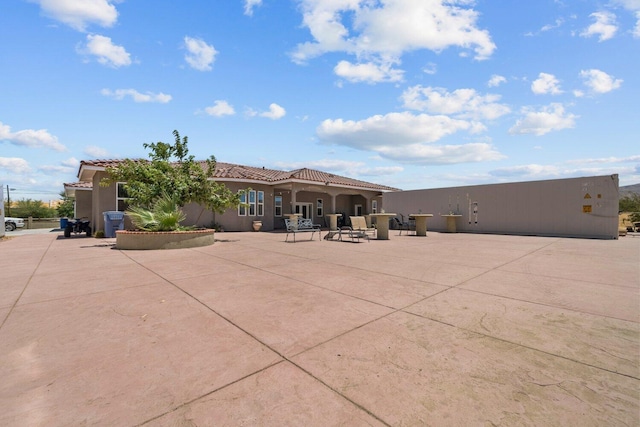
<point>319,209</point>
<point>277,203</point>
<point>251,203</point>
<point>121,197</point>
<point>374,206</point>
<point>242,207</point>
<point>260,203</point>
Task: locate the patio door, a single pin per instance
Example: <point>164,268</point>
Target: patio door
<point>306,209</point>
<point>357,210</point>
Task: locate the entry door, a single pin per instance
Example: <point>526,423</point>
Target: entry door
<point>305,209</point>
<point>357,210</point>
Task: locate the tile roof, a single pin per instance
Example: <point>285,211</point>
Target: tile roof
<point>81,185</point>
<point>229,171</point>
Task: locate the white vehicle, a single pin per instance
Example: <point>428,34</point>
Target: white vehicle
<point>11,223</point>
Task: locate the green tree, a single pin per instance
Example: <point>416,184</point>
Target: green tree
<point>31,208</point>
<point>631,205</point>
<point>66,208</point>
<point>172,171</point>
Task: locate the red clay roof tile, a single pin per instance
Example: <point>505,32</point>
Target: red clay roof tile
<point>229,171</point>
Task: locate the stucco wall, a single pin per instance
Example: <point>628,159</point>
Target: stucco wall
<point>104,199</point>
<point>231,221</point>
<point>575,207</point>
<point>82,207</point>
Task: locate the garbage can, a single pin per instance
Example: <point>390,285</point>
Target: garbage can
<point>63,223</point>
<point>113,220</point>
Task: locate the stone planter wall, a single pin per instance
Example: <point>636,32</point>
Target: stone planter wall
<point>146,240</point>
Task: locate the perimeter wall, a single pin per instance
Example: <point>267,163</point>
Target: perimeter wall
<point>575,207</point>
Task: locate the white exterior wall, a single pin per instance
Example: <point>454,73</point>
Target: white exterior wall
<point>546,208</point>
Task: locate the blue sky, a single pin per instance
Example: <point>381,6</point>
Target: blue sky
<point>407,93</point>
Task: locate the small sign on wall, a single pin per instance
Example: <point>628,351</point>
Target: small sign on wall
<point>586,208</point>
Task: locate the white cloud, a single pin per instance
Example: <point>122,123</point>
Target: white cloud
<point>599,81</point>
<point>78,14</point>
<point>249,5</point>
<point>368,72</point>
<point>342,167</point>
<point>14,165</point>
<point>634,7</point>
<point>71,162</point>
<point>442,154</point>
<point>56,169</point>
<point>549,27</point>
<point>107,53</point>
<point>380,170</point>
<point>527,171</point>
<point>200,55</point>
<point>392,129</point>
<point>496,80</point>
<point>607,160</point>
<point>430,68</point>
<point>571,168</point>
<point>550,118</point>
<point>275,112</point>
<point>462,103</point>
<point>406,137</point>
<point>96,152</point>
<point>385,30</point>
<point>220,108</point>
<point>546,84</point>
<point>30,138</point>
<point>120,94</point>
<point>605,26</point>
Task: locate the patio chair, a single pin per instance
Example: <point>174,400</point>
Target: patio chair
<point>359,223</point>
<point>409,225</point>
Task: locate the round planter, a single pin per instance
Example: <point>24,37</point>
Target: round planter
<point>147,240</point>
<point>257,225</point>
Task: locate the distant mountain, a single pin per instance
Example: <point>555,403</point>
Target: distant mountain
<point>630,189</point>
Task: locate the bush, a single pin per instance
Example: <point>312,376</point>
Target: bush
<point>631,205</point>
<point>65,209</point>
<point>26,208</point>
<point>164,215</point>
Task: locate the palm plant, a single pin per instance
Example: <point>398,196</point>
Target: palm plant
<point>164,215</point>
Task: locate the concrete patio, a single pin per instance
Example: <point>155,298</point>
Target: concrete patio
<point>448,329</point>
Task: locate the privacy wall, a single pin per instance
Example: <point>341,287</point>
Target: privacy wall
<point>575,207</point>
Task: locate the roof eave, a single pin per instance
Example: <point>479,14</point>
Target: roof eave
<point>86,172</point>
<point>332,184</point>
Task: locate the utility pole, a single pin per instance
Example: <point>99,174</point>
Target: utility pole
<point>9,201</point>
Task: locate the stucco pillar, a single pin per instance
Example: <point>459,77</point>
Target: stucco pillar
<point>293,199</point>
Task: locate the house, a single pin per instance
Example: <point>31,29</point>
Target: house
<point>273,195</point>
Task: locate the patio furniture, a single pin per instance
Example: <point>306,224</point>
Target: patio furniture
<point>359,223</point>
<point>353,234</point>
<point>382,222</point>
<point>302,225</point>
<point>451,222</point>
<point>420,223</point>
<point>408,225</point>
